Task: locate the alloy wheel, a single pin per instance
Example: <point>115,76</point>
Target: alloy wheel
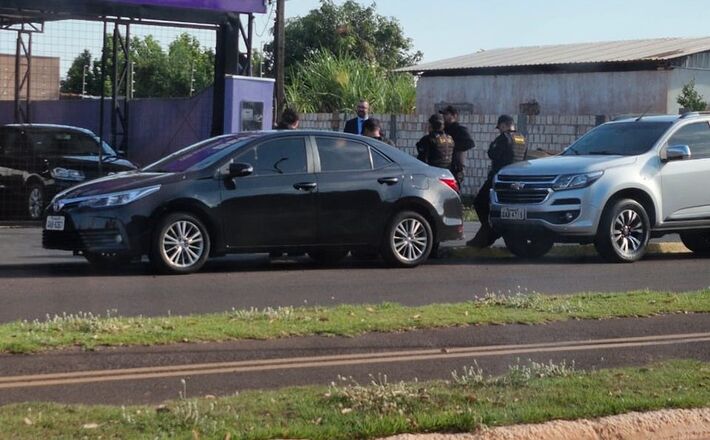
<point>182,244</point>
<point>410,239</point>
<point>628,232</point>
<point>35,202</point>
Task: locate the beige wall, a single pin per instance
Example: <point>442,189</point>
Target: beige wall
<point>551,133</point>
<point>44,80</point>
<point>597,93</point>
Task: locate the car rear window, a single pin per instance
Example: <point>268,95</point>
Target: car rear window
<point>338,154</point>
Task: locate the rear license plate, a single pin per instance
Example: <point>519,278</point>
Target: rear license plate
<point>513,213</point>
<point>54,223</point>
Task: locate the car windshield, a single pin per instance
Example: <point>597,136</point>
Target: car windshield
<point>200,155</point>
<point>622,139</point>
<point>67,143</point>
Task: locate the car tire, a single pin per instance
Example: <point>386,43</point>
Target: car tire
<point>103,260</point>
<point>624,231</point>
<point>408,240</point>
<point>697,241</point>
<point>528,246</point>
<point>328,257</point>
<point>180,244</point>
<point>34,201</point>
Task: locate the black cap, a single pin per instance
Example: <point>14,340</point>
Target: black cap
<point>449,109</point>
<point>504,119</point>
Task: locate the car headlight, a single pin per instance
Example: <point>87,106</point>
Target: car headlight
<point>574,181</point>
<point>67,174</point>
<point>118,198</point>
<point>104,200</point>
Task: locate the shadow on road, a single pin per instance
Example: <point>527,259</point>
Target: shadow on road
<point>262,263</point>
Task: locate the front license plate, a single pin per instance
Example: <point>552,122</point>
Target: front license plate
<point>54,223</point>
<point>513,213</point>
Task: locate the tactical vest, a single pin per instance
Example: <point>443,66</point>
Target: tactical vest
<point>520,149</point>
<point>444,145</point>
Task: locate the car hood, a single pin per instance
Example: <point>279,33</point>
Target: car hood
<point>89,165</point>
<point>557,165</point>
<point>123,181</point>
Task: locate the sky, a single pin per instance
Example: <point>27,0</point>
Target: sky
<point>445,28</point>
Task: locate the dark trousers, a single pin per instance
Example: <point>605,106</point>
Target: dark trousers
<point>482,204</point>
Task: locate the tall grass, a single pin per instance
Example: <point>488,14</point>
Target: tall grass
<point>327,83</point>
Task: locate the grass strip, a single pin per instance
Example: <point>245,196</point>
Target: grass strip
<point>566,251</point>
<point>87,330</point>
<point>346,410</point>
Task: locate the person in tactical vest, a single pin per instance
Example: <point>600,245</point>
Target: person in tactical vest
<point>437,147</point>
<point>507,148</point>
<point>462,142</point>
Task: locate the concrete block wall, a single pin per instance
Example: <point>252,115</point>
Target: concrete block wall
<point>551,133</point>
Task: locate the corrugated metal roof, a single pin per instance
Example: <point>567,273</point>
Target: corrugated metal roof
<point>600,52</point>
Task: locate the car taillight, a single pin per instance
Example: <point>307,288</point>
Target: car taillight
<point>450,182</point>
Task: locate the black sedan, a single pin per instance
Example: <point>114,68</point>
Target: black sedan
<point>320,193</point>
<point>39,160</point>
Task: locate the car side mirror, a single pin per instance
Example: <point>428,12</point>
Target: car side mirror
<point>677,152</point>
<point>239,170</point>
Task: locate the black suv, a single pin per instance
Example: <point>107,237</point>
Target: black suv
<point>39,160</point>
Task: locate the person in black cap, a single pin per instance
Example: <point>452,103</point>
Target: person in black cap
<point>437,147</point>
<point>504,150</point>
<point>462,142</point>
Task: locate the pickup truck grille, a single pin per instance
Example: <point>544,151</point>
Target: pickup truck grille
<point>519,190</point>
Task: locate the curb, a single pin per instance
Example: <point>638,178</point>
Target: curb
<point>686,424</point>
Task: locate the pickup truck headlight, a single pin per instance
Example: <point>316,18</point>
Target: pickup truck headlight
<point>574,181</point>
<point>67,174</point>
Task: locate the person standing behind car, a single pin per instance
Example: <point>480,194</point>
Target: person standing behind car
<point>373,128</point>
<point>289,120</point>
<point>437,147</point>
<point>507,148</point>
<point>354,125</point>
<point>462,142</point>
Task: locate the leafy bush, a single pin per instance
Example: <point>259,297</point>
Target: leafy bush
<point>327,83</point>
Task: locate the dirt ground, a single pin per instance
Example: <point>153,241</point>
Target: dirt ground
<point>692,424</point>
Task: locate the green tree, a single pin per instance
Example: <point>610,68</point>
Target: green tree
<point>349,29</point>
<point>156,73</point>
<point>690,99</point>
<point>76,76</point>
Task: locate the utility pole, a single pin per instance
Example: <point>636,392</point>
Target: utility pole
<point>192,77</point>
<point>279,40</point>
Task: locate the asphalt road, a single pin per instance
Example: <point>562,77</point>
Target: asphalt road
<point>154,374</point>
<point>35,282</point>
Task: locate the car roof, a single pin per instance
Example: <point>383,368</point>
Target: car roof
<point>51,127</point>
<point>690,116</point>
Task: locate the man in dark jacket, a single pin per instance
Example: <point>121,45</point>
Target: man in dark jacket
<point>437,147</point>
<point>462,142</point>
<point>502,152</point>
<point>354,125</point>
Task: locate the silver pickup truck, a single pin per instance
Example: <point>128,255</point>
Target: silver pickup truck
<point>619,185</point>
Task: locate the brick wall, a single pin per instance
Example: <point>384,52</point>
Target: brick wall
<point>543,132</point>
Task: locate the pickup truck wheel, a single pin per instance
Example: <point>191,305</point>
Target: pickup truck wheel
<point>624,231</point>
<point>697,241</point>
<point>528,246</point>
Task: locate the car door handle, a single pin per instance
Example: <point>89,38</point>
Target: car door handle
<point>388,180</point>
<point>305,186</point>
